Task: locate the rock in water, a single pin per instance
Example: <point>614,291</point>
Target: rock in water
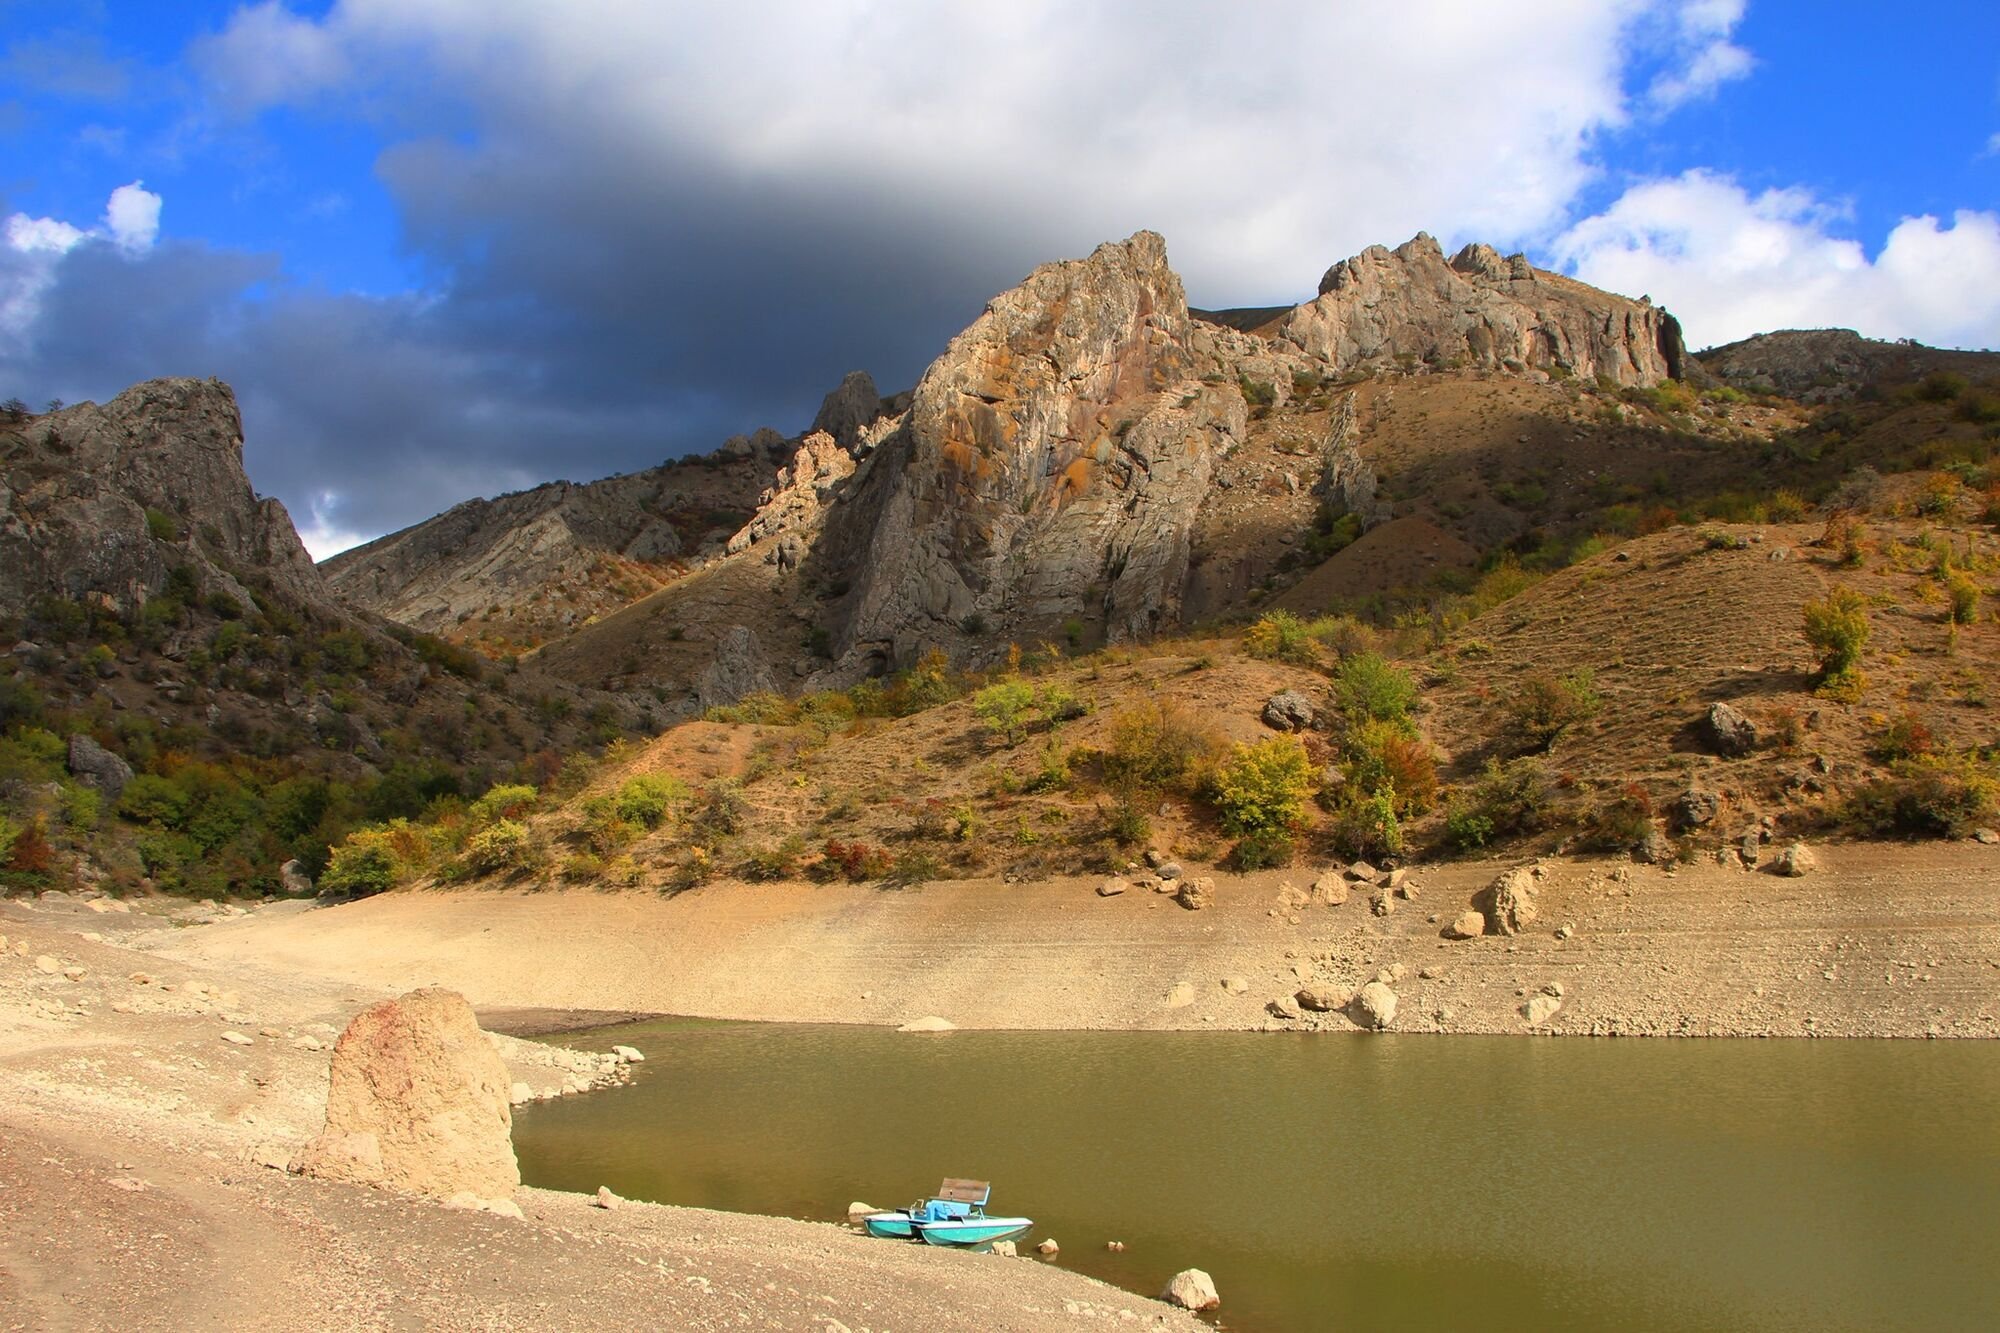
<point>1728,732</point>
<point>1373,1006</point>
<point>417,1101</point>
<point>1508,903</point>
<point>1191,1289</point>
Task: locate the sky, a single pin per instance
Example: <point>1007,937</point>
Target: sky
<point>447,248</point>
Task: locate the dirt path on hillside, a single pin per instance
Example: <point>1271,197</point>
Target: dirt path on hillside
<point>1883,941</point>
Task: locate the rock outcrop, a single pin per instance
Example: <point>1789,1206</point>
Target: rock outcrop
<point>738,669</point>
<point>1479,309</point>
<point>417,1101</point>
<point>1051,468</point>
<point>105,500</point>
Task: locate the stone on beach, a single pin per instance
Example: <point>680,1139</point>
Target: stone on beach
<point>628,1055</point>
<point>929,1023</point>
<point>417,1100</point>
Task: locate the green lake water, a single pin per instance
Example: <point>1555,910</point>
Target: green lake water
<point>1336,1181</point>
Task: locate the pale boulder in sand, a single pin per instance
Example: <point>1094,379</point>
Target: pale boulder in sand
<point>418,1100</point>
<point>1191,1289</point>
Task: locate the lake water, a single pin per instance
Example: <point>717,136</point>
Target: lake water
<point>1337,1181</point>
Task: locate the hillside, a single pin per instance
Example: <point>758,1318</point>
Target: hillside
<point>184,702</point>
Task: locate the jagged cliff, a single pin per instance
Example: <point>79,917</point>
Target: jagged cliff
<point>1479,309</point>
<point>104,500</point>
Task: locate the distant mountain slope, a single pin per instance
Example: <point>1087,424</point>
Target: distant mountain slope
<point>1826,365</point>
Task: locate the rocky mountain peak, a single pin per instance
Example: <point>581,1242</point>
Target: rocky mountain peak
<point>1479,309</point>
<point>1036,448</point>
<point>106,499</point>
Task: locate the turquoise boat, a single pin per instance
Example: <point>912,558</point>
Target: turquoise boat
<point>954,1218</point>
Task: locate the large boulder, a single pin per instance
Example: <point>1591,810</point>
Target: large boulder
<point>1191,1289</point>
<point>1692,809</point>
<point>417,1100</point>
<point>1288,710</point>
<point>1728,732</point>
<point>1795,861</point>
<point>1373,1006</point>
<point>95,766</point>
<point>1196,894</point>
<point>1508,903</point>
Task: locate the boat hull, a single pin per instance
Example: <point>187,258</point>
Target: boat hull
<point>889,1226</point>
<point>968,1232</point>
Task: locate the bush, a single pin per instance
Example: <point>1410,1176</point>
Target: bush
<point>161,526</point>
<point>1368,827</point>
<point>645,800</point>
<point>1545,706</point>
<point>1837,629</point>
<point>1383,757</point>
<point>151,799</point>
<point>359,869</point>
<point>1005,708</point>
<point>1366,685</point>
<point>1964,596</point>
<point>1163,746</point>
<point>1125,823</point>
<point>1281,637</point>
<point>855,862</point>
<point>1934,796</point>
<point>30,852</point>
<point>1940,387</point>
<point>780,861</point>
<point>1264,786</point>
<point>1263,849</point>
<point>1620,822</point>
<point>1905,738</point>
<point>503,846</point>
<point>505,801</point>
<point>1506,801</point>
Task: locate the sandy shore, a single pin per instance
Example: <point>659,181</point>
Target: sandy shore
<point>136,1190</point>
<point>1884,941</point>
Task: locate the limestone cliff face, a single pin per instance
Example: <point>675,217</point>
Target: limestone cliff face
<point>1479,309</point>
<point>76,485</point>
<point>1051,465</point>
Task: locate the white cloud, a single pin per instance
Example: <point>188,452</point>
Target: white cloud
<point>323,534</point>
<point>267,55</point>
<point>1701,56</point>
<point>1264,141</point>
<point>41,235</point>
<point>1731,264</point>
<point>132,217</point>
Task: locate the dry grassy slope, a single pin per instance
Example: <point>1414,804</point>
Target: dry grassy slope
<point>871,783</point>
<point>1669,626</point>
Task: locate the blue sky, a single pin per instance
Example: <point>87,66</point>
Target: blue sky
<point>453,247</point>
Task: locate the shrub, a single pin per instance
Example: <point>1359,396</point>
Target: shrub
<point>1163,746</point>
<point>359,869</point>
<point>1264,786</point>
<point>1368,827</point>
<point>1621,821</point>
<point>853,861</point>
<point>1844,536</point>
<point>30,852</point>
<point>1281,637</point>
<point>1367,686</point>
<point>1934,795</point>
<point>161,526</point>
<point>1125,823</point>
<point>151,799</point>
<point>1005,708</point>
<point>1837,629</point>
<point>1939,387</point>
<point>1787,507</point>
<point>780,861</point>
<point>722,810</point>
<point>502,846</point>
<point>1545,706</point>
<point>1507,800</point>
<point>1383,757</point>
<point>644,800</point>
<point>1964,596</point>
<point>505,801</point>
<point>1905,738</point>
<point>1262,849</point>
